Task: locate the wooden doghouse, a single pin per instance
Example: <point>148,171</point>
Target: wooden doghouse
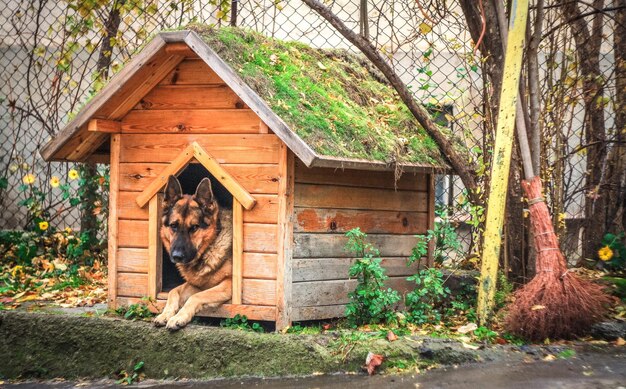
<point>294,191</point>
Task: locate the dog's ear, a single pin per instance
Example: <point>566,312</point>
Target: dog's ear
<point>204,194</point>
<point>173,192</point>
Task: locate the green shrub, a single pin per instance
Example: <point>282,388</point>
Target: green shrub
<point>370,302</point>
<point>425,303</point>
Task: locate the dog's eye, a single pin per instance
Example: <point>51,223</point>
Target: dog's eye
<point>194,228</point>
<point>174,226</point>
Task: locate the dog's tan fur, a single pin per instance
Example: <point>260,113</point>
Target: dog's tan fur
<point>208,275</point>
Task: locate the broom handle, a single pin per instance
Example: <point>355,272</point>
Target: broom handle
<point>520,123</point>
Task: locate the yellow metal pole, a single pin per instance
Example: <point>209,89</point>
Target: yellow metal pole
<point>501,159</point>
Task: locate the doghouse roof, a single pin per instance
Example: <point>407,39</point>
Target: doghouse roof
<point>329,107</point>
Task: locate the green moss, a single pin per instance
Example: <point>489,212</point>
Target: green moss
<point>331,99</point>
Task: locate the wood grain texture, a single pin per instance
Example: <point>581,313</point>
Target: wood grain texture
<point>285,239</point>
<point>265,211</point>
<point>132,260</point>
<point>358,178</point>
<point>233,148</point>
<point>133,233</point>
<point>215,121</point>
<point>191,72</point>
<point>252,312</point>
<point>335,292</point>
<point>333,245</point>
<point>237,252</point>
<point>317,269</point>
<point>318,313</point>
<point>370,222</point>
<point>327,196</point>
<point>155,248</point>
<point>113,228</point>
<point>190,97</point>
<point>86,143</point>
<point>179,48</point>
<point>255,178</point>
<point>259,292</point>
<point>260,238</point>
<point>132,284</point>
<point>105,126</point>
<point>259,266</point>
<point>128,208</point>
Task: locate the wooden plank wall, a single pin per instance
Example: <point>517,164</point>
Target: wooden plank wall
<point>329,203</point>
<point>192,104</point>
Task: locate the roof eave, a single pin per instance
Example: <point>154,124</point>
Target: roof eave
<point>364,164</point>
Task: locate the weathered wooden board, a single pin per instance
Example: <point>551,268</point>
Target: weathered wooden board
<point>215,121</point>
<point>132,260</point>
<point>371,179</point>
<point>259,292</point>
<point>218,96</point>
<point>128,208</point>
<point>318,313</point>
<point>233,148</point>
<point>328,196</point>
<point>317,269</point>
<point>336,292</point>
<point>133,233</point>
<point>255,178</point>
<point>237,252</point>
<point>265,210</point>
<point>259,266</point>
<point>132,284</point>
<point>370,222</point>
<point>332,245</point>
<point>260,238</point>
<point>191,72</point>
<point>252,312</point>
<point>112,233</point>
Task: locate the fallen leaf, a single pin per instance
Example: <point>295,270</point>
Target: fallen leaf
<point>372,362</point>
<point>470,346</point>
<point>326,326</point>
<point>500,340</point>
<point>537,307</point>
<point>587,373</point>
<point>467,328</point>
<point>391,336</point>
<point>549,357</point>
<point>321,66</point>
<point>620,342</point>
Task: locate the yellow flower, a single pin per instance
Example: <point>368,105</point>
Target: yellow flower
<point>73,174</point>
<point>55,182</point>
<point>68,230</point>
<point>43,225</point>
<point>28,179</point>
<point>605,253</point>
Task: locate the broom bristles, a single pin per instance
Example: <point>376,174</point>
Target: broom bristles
<point>555,303</point>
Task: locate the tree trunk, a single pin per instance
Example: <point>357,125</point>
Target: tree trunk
<point>616,174</point>
<point>89,190</point>
<point>588,51</point>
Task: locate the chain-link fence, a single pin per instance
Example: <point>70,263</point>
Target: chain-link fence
<point>51,52</point>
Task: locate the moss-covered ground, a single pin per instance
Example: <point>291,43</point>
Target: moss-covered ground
<point>332,99</point>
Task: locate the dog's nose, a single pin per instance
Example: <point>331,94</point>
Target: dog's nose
<point>177,256</point>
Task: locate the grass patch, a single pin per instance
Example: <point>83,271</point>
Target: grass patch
<point>330,98</point>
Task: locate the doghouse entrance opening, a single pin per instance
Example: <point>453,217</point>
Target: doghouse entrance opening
<point>189,179</point>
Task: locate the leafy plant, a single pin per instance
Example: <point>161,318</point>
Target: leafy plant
<point>485,334</point>
<point>137,311</point>
<point>445,238</point>
<point>370,302</point>
<point>503,289</point>
<point>425,303</point>
<point>240,322</point>
<point>135,375</point>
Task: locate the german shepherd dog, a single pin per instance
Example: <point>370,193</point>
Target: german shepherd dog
<point>198,237</point>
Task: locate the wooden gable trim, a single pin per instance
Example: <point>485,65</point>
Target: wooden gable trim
<point>104,126</point>
<point>195,151</point>
<point>250,98</point>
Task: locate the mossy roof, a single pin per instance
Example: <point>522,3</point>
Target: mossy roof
<point>332,99</point>
<point>329,106</point>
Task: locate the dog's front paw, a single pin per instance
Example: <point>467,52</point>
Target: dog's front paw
<point>162,319</point>
<point>179,320</point>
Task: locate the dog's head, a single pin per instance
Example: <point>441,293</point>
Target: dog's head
<point>190,224</point>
